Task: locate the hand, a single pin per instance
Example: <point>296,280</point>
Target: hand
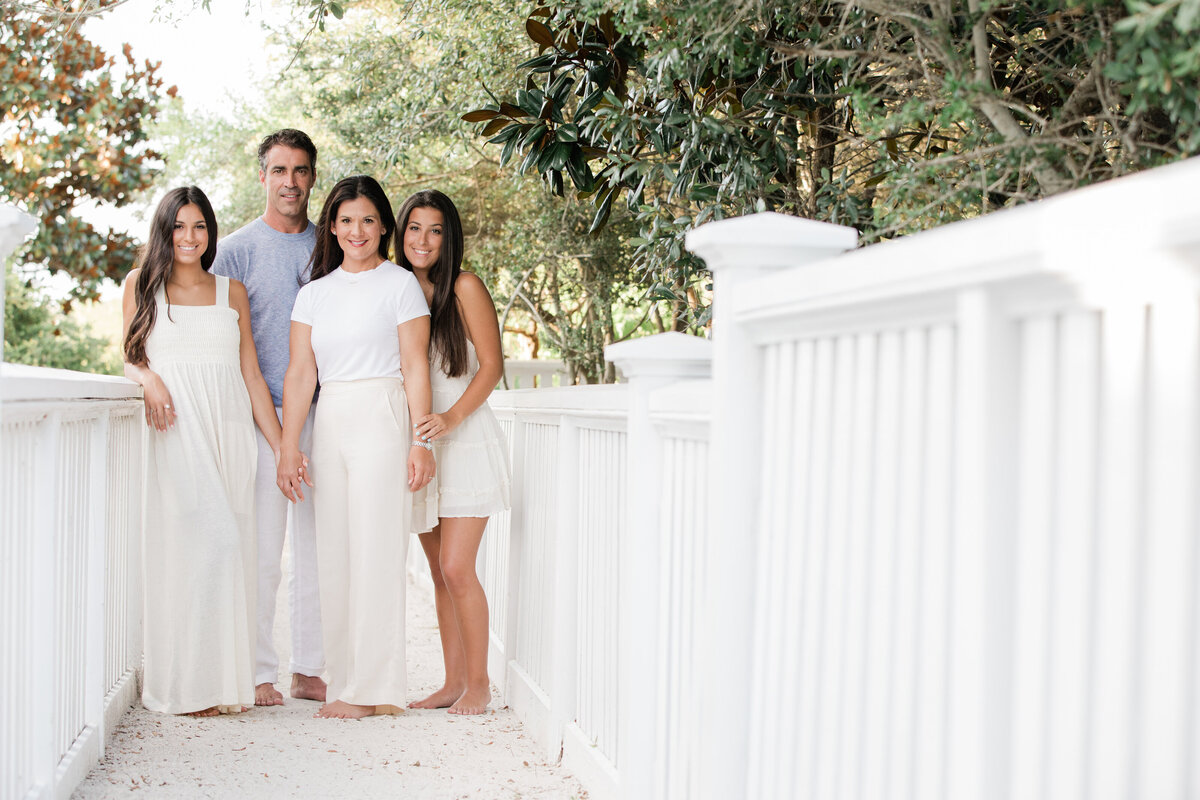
<point>160,413</point>
<point>291,473</point>
<point>303,465</point>
<point>421,467</point>
<point>434,426</point>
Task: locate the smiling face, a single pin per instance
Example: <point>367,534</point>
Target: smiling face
<point>423,237</point>
<point>288,178</point>
<point>358,229</point>
<point>190,237</point>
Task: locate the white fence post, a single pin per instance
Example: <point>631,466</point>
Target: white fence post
<point>96,610</point>
<point>982,572</point>
<point>47,521</point>
<point>738,251</point>
<point>649,364</point>
<point>563,622</point>
<point>15,226</point>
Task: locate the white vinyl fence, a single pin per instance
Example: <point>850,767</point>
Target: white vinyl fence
<point>567,573</point>
<point>929,530</point>
<point>70,602</point>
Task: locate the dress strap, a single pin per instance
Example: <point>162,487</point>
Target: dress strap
<point>222,291</point>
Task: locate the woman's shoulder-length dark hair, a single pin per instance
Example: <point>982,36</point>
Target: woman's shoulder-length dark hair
<point>327,255</point>
<point>157,259</point>
<point>447,333</point>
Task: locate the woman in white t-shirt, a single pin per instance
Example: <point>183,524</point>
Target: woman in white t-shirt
<point>360,327</point>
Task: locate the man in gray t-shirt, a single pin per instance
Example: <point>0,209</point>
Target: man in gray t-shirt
<point>270,256</point>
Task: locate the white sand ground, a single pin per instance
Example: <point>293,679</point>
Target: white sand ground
<point>282,752</point>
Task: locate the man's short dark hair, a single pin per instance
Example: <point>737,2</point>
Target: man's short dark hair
<point>288,137</point>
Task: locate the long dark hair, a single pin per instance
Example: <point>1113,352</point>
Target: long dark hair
<point>157,260</point>
<point>327,255</point>
<point>447,334</point>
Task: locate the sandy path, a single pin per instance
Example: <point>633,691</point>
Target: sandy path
<point>282,752</point>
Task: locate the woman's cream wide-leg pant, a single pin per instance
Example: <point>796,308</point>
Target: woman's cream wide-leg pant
<point>363,508</point>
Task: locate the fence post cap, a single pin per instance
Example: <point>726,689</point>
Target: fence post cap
<point>768,240</point>
<point>15,226</point>
<point>667,355</point>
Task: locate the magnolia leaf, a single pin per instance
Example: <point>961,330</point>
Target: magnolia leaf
<point>494,126</point>
<point>480,115</point>
<point>539,33</point>
<point>511,111</point>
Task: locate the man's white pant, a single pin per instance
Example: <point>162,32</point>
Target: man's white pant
<point>275,515</point>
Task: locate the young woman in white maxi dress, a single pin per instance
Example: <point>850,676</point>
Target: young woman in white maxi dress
<point>472,456</point>
<point>362,326</point>
<point>188,343</point>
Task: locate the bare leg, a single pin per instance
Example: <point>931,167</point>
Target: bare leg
<point>452,649</point>
<point>265,694</point>
<point>340,709</point>
<point>459,547</point>
<point>307,687</point>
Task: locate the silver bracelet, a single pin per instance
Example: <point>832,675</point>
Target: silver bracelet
<point>427,445</point>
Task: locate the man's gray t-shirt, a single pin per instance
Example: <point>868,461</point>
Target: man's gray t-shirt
<point>271,265</point>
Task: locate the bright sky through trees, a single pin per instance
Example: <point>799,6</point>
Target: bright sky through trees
<point>210,55</point>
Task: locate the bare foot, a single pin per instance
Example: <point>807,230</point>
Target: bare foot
<point>308,687</point>
<point>442,698</point>
<point>208,712</point>
<point>473,701</point>
<point>265,694</point>
<point>340,709</point>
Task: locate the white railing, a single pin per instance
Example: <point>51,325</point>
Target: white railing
<point>553,636</point>
<point>930,530</point>
<point>567,570</point>
<point>70,571</point>
<point>529,373</point>
<point>970,543</point>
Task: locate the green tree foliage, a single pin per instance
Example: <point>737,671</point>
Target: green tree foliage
<point>879,114</point>
<point>37,333</point>
<point>556,285</point>
<point>74,129</point>
<point>382,88</point>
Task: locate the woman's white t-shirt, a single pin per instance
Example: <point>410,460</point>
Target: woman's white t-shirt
<point>354,317</point>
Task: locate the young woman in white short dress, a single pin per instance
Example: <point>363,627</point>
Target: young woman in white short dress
<point>472,457</point>
<point>361,325</point>
<point>187,342</point>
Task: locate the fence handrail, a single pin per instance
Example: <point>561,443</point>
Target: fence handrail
<point>596,398</point>
<point>19,382</point>
<point>1076,239</point>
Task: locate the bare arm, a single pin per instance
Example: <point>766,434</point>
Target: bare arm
<point>299,382</point>
<point>479,316</point>
<point>160,411</point>
<point>260,396</point>
<point>414,363</point>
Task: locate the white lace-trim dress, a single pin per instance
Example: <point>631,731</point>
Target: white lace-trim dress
<point>199,551</point>
<point>473,459</point>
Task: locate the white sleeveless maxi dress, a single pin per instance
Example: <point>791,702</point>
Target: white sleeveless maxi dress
<point>199,553</point>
